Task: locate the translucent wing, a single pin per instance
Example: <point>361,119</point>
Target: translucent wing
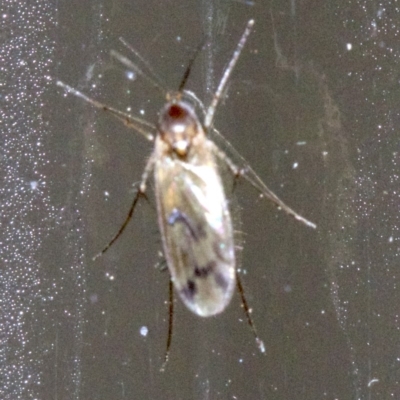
<point>197,232</point>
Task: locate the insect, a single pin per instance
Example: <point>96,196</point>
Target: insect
<point>193,211</point>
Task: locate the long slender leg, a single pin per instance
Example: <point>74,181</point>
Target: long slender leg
<point>259,342</point>
<point>138,124</point>
<point>251,176</point>
<point>141,192</point>
<point>170,324</point>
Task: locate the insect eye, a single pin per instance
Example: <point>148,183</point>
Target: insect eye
<point>176,112</point>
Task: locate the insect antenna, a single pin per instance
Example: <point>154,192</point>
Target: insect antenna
<point>129,64</point>
<point>190,65</point>
<point>150,70</point>
<point>170,324</point>
<point>138,124</point>
<point>259,342</point>
<point>228,70</point>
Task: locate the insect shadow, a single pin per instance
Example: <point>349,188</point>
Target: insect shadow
<point>192,209</point>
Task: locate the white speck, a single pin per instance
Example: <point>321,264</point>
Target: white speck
<point>34,184</point>
<point>178,38</point>
<point>142,112</point>
<point>295,165</point>
<point>130,75</point>
<point>106,194</point>
<point>240,360</point>
<point>322,312</point>
<point>391,239</point>
<point>324,153</point>
<point>144,331</point>
<point>4,16</point>
<point>302,143</point>
<point>128,109</point>
<point>349,46</point>
<point>260,345</point>
<point>109,276</point>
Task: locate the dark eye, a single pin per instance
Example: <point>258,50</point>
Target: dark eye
<point>176,112</point>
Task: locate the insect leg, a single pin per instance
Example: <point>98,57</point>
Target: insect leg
<point>170,324</point>
<point>259,342</point>
<point>138,124</point>
<point>236,172</point>
<point>139,193</point>
<point>251,176</point>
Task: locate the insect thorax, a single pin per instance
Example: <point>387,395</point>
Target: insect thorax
<point>179,127</point>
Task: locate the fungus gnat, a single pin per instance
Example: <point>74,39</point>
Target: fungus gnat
<point>193,211</point>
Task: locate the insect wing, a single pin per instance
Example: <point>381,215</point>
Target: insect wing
<point>197,232</point>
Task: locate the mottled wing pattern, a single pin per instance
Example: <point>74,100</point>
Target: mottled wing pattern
<point>197,232</point>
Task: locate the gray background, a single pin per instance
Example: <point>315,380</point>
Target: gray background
<point>325,302</point>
